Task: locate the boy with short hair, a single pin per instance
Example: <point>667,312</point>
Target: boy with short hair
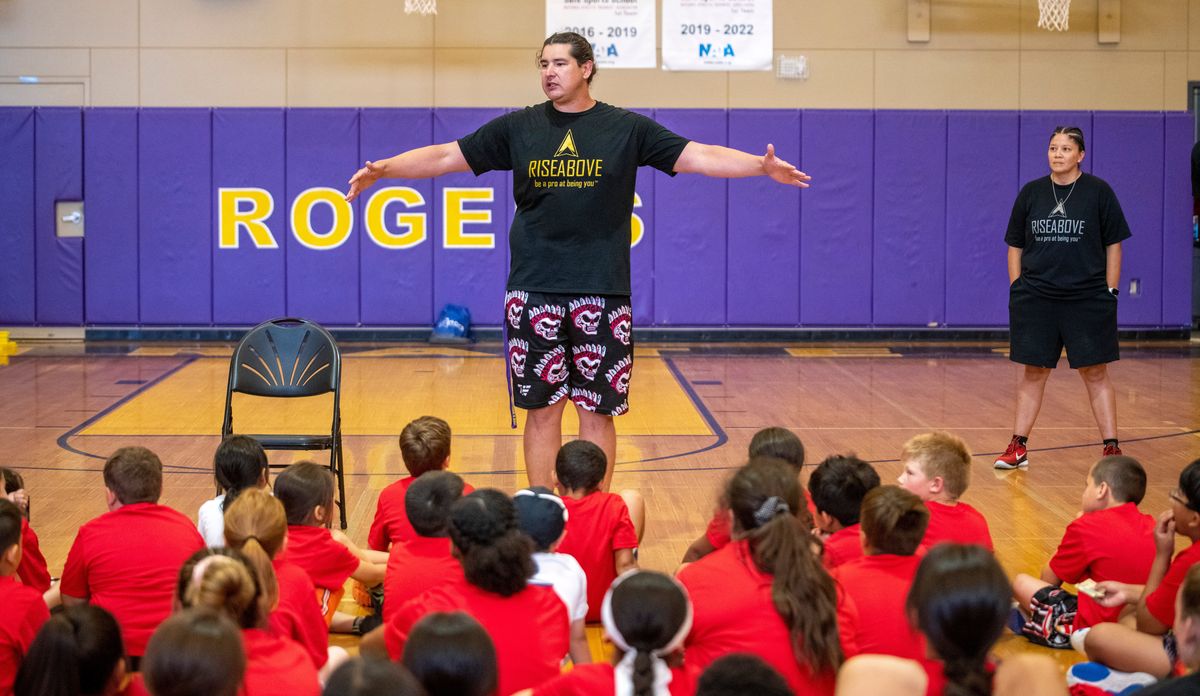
<point>543,517</point>
<point>137,539</point>
<point>937,468</point>
<point>601,533</point>
<point>892,525</point>
<point>1111,539</point>
<point>837,488</point>
<point>424,561</point>
<point>424,446</point>
<point>24,609</point>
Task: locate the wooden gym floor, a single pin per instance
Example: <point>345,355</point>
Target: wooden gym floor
<point>65,406</point>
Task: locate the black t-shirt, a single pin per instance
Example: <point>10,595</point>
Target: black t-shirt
<point>1180,686</point>
<point>1063,232</point>
<point>573,180</point>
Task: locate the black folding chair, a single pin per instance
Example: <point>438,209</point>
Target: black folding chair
<point>288,358</point>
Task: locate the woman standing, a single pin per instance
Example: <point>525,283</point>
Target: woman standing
<point>1064,265</point>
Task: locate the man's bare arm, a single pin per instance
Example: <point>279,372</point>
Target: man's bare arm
<point>421,163</point>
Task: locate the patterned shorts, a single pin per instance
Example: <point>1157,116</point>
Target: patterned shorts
<point>570,346</point>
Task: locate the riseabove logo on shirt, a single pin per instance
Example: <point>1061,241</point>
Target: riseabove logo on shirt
<point>1057,227</point>
<point>565,169</point>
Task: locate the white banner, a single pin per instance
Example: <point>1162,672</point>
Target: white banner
<point>621,31</point>
<point>717,35</point>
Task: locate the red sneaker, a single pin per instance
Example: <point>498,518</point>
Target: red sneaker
<point>1111,451</point>
<point>1014,457</point>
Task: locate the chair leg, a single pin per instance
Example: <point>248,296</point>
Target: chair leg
<point>335,460</point>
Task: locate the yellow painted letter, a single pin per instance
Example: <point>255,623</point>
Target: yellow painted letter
<point>455,217</point>
<point>231,218</point>
<point>637,227</point>
<point>343,218</point>
<point>413,223</point>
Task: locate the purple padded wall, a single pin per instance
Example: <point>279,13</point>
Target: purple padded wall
<point>175,231</point>
<point>981,176</point>
<point>641,257</point>
<point>397,284</point>
<point>18,296</point>
<point>689,235</point>
<point>474,277</point>
<point>110,173</point>
<point>903,225</point>
<point>763,226</point>
<point>1119,147</point>
<point>1177,216</point>
<point>836,218</point>
<point>249,284</point>
<point>910,218</point>
<point>322,151</point>
<point>58,176</point>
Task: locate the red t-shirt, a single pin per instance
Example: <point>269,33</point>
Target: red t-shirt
<point>600,680</point>
<point>277,666</point>
<point>879,586</point>
<point>720,531</point>
<point>959,523</point>
<point>24,614</point>
<point>529,629</point>
<point>391,523</point>
<point>127,561</point>
<point>842,546</point>
<point>298,615</point>
<point>414,566</point>
<point>734,613</point>
<point>32,571</point>
<point>1161,602</point>
<point>328,563</point>
<point>598,525</point>
<point>1112,544</point>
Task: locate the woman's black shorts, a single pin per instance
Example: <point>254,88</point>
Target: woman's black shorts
<point>1040,327</point>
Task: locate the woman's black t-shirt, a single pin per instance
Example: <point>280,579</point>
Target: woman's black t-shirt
<point>1063,234</point>
<point>573,182</point>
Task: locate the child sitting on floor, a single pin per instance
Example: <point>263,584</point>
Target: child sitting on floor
<point>24,610</point>
<point>424,446</point>
<point>33,570</point>
<point>937,468</point>
<point>603,529</point>
<point>893,524</point>
<point>306,491</point>
<point>425,561</point>
<point>837,487</point>
<point>1151,648</point>
<point>542,516</point>
<point>240,463</point>
<point>1110,540</point>
<point>778,443</point>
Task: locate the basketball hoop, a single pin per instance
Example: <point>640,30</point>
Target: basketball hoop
<point>1054,15</point>
<point>421,7</point>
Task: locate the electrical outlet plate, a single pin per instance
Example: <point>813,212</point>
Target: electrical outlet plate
<point>68,218</point>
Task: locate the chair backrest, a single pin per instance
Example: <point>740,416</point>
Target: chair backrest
<point>286,357</point>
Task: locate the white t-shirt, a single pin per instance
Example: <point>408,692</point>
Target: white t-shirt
<point>562,572</point>
<point>211,522</point>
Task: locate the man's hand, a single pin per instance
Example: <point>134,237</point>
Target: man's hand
<point>363,179</point>
<point>782,171</point>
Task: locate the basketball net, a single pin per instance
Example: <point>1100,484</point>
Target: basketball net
<point>421,7</point>
<point>1054,15</point>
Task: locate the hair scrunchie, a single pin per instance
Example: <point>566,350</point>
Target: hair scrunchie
<point>770,509</point>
